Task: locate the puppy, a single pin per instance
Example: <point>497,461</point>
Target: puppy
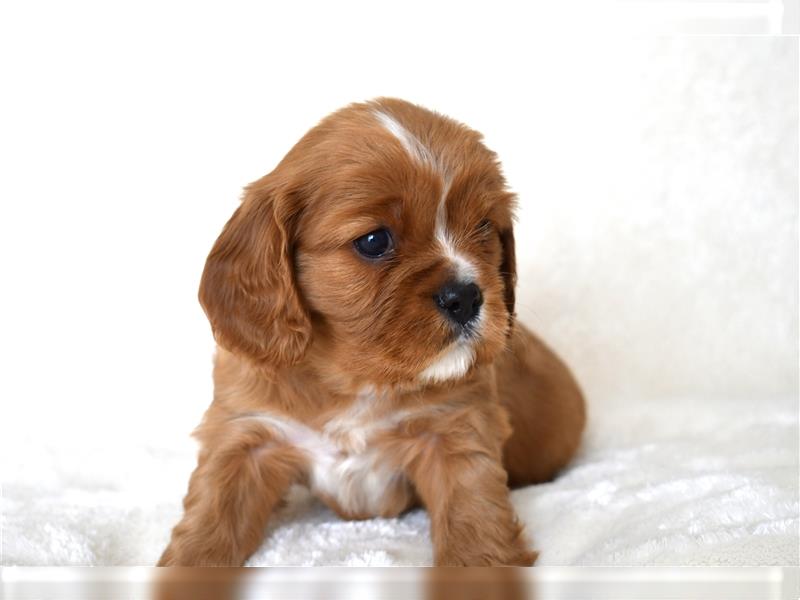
<point>362,300</point>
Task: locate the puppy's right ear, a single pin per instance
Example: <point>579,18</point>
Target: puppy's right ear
<point>248,288</point>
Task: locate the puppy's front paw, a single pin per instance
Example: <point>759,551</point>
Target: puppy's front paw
<point>487,557</point>
<point>525,559</point>
<point>180,554</point>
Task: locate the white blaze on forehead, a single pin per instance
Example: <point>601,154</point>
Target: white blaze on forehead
<point>416,149</point>
<point>465,268</point>
<point>454,363</point>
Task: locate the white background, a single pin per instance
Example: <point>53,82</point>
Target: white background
<point>657,178</point>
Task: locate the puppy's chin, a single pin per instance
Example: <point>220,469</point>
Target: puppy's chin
<point>452,363</point>
<point>479,343</point>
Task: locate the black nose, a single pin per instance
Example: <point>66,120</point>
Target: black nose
<point>460,302</point>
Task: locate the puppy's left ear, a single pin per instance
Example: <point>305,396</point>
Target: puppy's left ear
<point>508,269</point>
<point>248,289</point>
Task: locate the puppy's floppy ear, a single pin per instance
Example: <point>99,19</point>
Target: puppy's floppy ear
<point>248,288</point>
<point>508,268</point>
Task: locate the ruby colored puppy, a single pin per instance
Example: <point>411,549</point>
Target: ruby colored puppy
<point>362,299</point>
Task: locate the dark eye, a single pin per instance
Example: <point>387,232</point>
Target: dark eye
<point>375,244</point>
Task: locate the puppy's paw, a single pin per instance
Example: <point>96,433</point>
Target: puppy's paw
<point>521,557</point>
<point>526,559</point>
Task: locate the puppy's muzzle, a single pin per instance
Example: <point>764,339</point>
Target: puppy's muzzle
<point>459,302</point>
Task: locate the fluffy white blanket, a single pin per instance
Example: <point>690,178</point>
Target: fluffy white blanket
<point>688,482</point>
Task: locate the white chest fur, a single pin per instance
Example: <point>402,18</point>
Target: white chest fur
<point>345,463</point>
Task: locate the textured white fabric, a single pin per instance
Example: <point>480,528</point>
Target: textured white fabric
<point>682,482</point>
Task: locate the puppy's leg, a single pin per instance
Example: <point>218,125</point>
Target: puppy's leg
<point>546,407</point>
<point>462,484</point>
<point>236,485</point>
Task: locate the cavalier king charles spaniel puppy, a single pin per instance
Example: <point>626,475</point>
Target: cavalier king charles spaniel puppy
<point>362,300</point>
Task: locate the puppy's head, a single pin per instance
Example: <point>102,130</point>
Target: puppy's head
<point>385,236</point>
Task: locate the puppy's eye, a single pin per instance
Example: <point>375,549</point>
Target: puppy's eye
<point>375,244</point>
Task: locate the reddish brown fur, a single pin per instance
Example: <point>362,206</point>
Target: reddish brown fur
<point>304,324</point>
